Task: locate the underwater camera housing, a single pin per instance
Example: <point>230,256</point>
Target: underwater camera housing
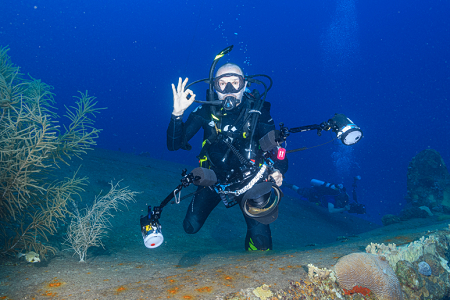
<point>357,208</point>
<point>261,202</point>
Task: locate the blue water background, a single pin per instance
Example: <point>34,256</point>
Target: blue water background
<point>385,64</point>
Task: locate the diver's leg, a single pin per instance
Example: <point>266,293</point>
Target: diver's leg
<point>198,211</point>
<point>258,236</point>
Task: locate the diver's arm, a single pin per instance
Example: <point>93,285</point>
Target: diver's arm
<point>280,165</point>
<point>179,133</point>
<point>175,133</point>
<point>265,125</point>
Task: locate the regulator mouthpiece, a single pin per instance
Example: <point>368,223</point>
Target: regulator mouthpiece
<point>346,130</point>
<point>230,102</point>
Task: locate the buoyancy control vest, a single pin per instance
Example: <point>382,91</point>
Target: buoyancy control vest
<point>232,129</point>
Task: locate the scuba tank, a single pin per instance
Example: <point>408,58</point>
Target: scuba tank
<point>320,183</point>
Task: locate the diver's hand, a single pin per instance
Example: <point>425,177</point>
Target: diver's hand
<point>278,177</point>
<point>180,100</point>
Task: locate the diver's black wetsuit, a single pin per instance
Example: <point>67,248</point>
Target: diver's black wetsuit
<point>178,134</point>
<point>323,195</point>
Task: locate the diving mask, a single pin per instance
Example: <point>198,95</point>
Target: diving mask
<point>229,83</point>
<point>230,88</point>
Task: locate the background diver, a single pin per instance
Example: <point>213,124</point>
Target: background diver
<point>228,134</point>
<point>334,197</point>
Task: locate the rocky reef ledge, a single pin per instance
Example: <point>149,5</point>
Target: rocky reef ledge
<point>416,270</point>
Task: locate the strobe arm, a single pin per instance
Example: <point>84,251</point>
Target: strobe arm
<point>286,131</point>
<point>345,129</point>
<point>186,181</point>
<point>150,226</point>
<point>276,137</point>
<point>198,176</point>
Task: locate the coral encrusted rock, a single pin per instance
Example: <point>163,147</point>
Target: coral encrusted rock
<point>428,180</point>
<point>368,271</point>
<point>390,219</point>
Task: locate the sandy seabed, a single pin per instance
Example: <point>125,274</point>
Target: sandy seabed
<point>208,265</point>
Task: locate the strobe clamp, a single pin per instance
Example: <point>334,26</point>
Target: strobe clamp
<point>187,179</point>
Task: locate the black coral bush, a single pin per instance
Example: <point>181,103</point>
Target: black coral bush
<point>32,201</point>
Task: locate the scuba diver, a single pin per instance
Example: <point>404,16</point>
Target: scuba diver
<point>233,121</point>
<point>333,197</point>
<point>242,158</point>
